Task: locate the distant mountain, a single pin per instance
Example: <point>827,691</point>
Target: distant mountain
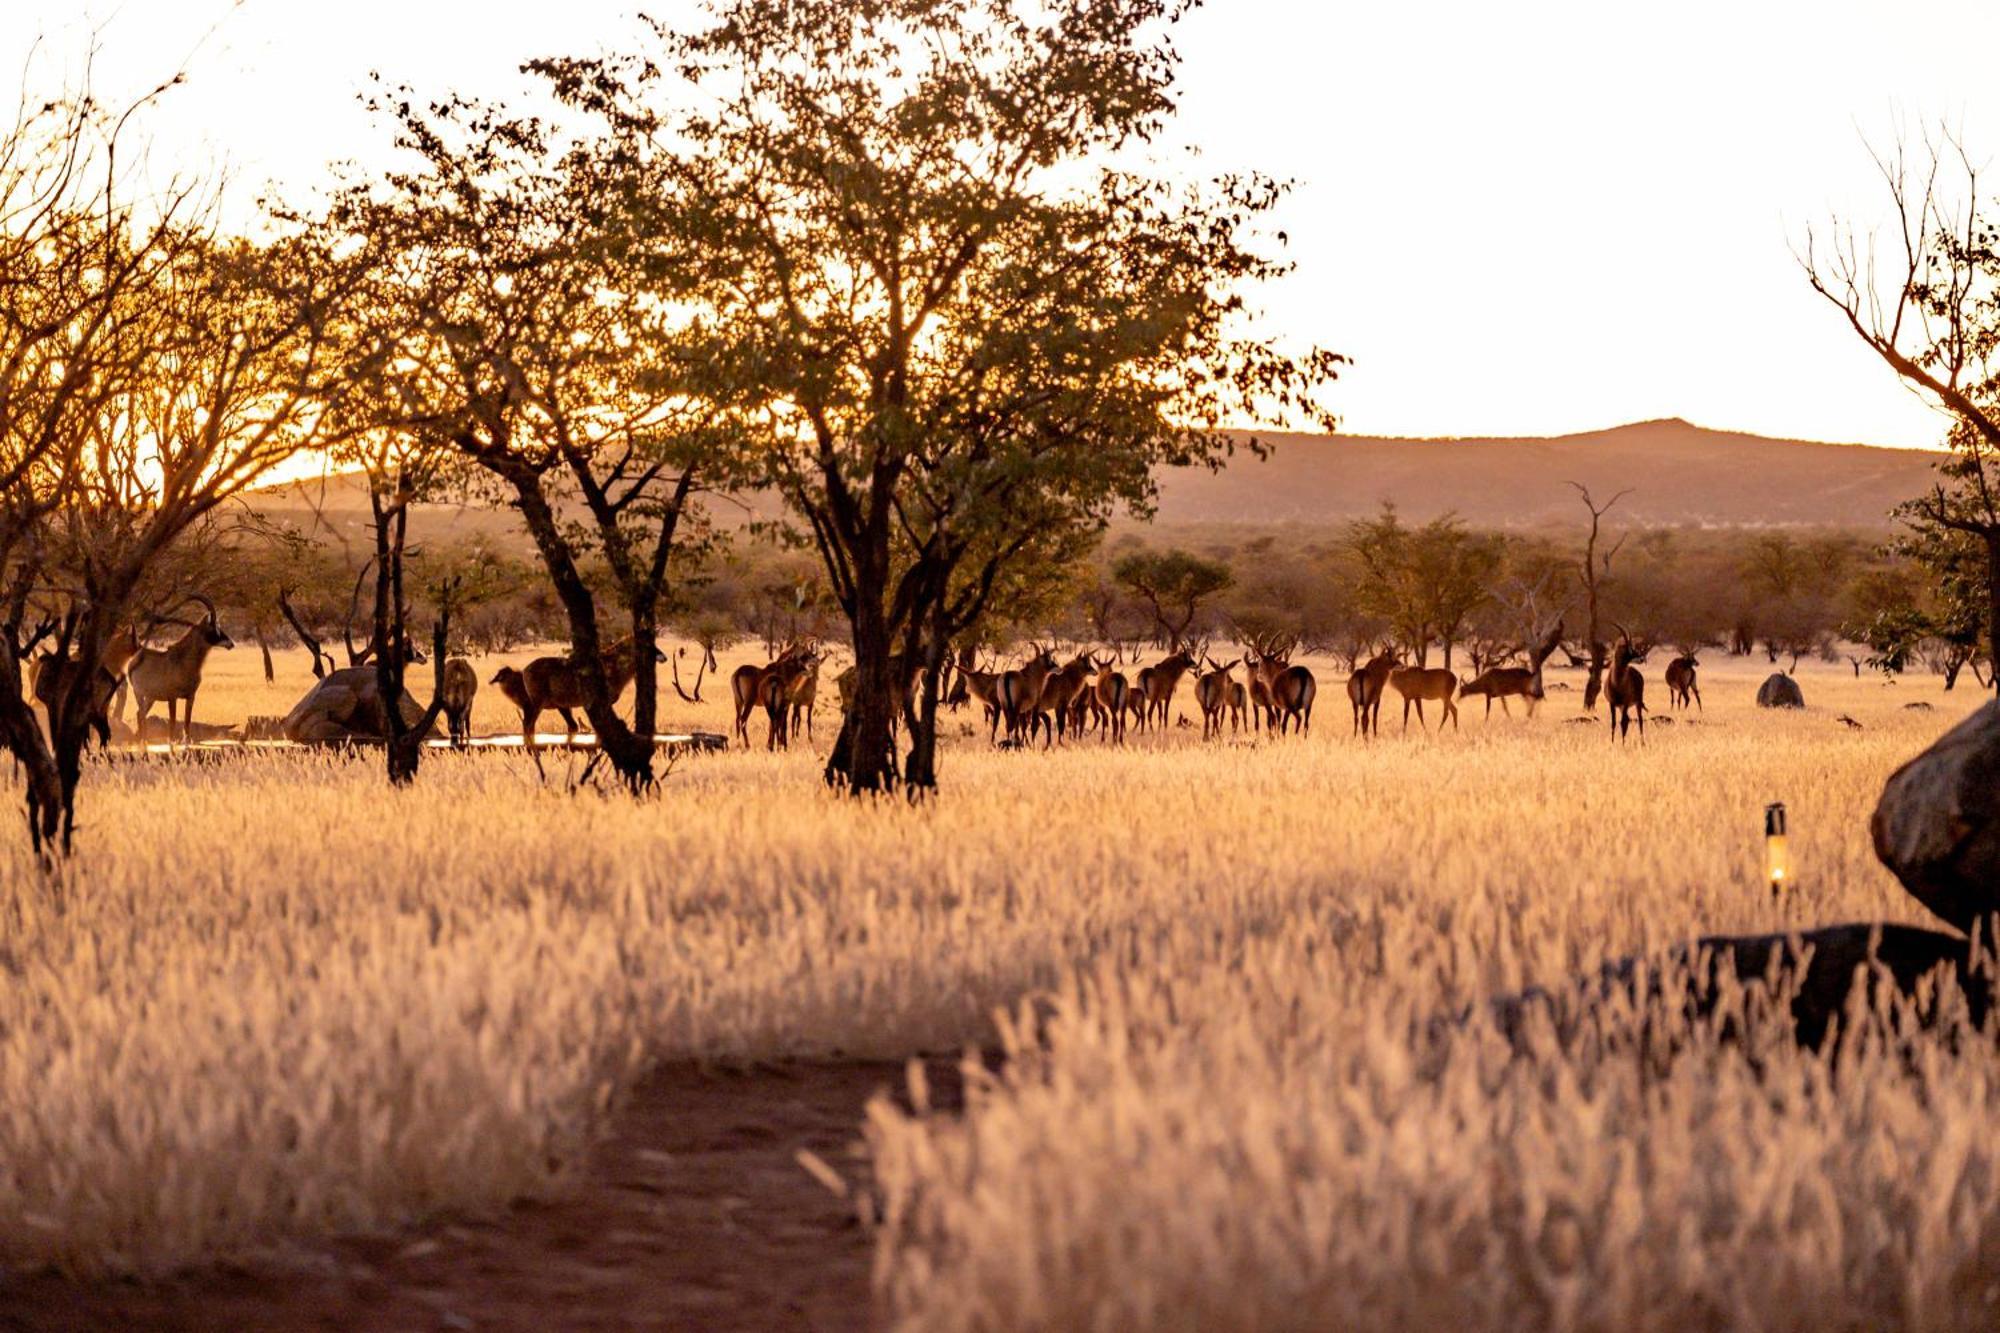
<point>1678,474</point>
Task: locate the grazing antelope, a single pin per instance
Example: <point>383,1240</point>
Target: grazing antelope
<point>1021,694</point>
<point>1157,683</point>
<point>1291,689</point>
<point>1367,687</point>
<point>1625,687</point>
<point>746,686</point>
<point>461,683</point>
<point>50,676</point>
<point>555,682</point>
<point>1212,689</point>
<point>1682,686</point>
<point>1504,683</point>
<point>173,673</point>
<point>1419,685</point>
<point>1065,690</point>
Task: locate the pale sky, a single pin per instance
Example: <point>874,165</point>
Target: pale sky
<point>1528,218</point>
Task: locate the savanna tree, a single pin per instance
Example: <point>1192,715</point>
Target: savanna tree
<point>967,320</point>
<point>1927,303</point>
<point>150,369</point>
<point>516,321</point>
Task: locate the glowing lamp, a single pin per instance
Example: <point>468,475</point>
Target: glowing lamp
<point>1777,856</point>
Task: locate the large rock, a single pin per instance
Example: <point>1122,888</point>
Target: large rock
<point>1780,691</point>
<point>1815,971</point>
<point>1937,825</point>
<point>345,708</point>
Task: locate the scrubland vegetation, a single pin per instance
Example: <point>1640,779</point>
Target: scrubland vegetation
<point>272,997</point>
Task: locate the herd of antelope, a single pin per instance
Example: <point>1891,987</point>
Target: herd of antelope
<point>1047,699</point>
<point>1044,699</point>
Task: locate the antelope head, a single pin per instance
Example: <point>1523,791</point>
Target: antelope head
<point>211,629</point>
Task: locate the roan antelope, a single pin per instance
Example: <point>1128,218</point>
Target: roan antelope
<point>983,686</point>
<point>778,692</point>
<point>804,692</point>
<point>51,674</point>
<point>1112,693</point>
<point>461,683</point>
<point>1421,685</point>
<point>1212,690</point>
<point>555,682</point>
<point>1291,689</point>
<point>1366,688</point>
<point>1062,691</point>
<point>1504,683</point>
<point>746,686</point>
<point>1157,683</point>
<point>1021,694</point>
<point>173,673</point>
<point>1625,687</point>
<point>1682,687</point>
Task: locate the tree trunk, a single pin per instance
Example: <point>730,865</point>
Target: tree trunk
<point>629,752</point>
<point>863,759</point>
<point>1993,603</point>
<point>920,766</point>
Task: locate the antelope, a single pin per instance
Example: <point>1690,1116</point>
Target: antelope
<point>1291,689</point>
<point>1625,687</point>
<point>1366,688</point>
<point>51,674</point>
<point>746,686</point>
<point>1503,683</point>
<point>1063,690</point>
<point>1021,693</point>
<point>985,687</point>
<point>1112,694</point>
<point>461,683</point>
<point>1212,690</point>
<point>1681,684</point>
<point>804,692</point>
<point>1157,684</point>
<point>903,675</point>
<point>1239,702</point>
<point>173,673</point>
<point>778,691</point>
<point>1418,684</point>
<point>555,682</point>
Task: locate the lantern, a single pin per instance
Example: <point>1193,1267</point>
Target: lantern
<point>1777,856</point>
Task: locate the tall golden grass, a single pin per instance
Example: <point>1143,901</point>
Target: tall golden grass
<point>273,998</point>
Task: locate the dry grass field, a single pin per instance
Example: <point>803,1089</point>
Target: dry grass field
<point>273,999</point>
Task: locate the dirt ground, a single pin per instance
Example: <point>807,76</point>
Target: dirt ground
<point>695,1214</point>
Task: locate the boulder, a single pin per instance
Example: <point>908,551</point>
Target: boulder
<point>1937,825</point>
<point>345,708</point>
<point>1815,971</point>
<point>1780,691</point>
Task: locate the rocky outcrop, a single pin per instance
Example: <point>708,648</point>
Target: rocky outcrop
<point>1937,825</point>
<point>346,708</point>
<point>1780,691</point>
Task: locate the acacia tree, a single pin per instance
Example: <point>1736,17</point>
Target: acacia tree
<point>965,331</point>
<point>1173,585</point>
<point>1928,305</point>
<point>1423,582</point>
<point>149,370</point>
<point>516,320</point>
